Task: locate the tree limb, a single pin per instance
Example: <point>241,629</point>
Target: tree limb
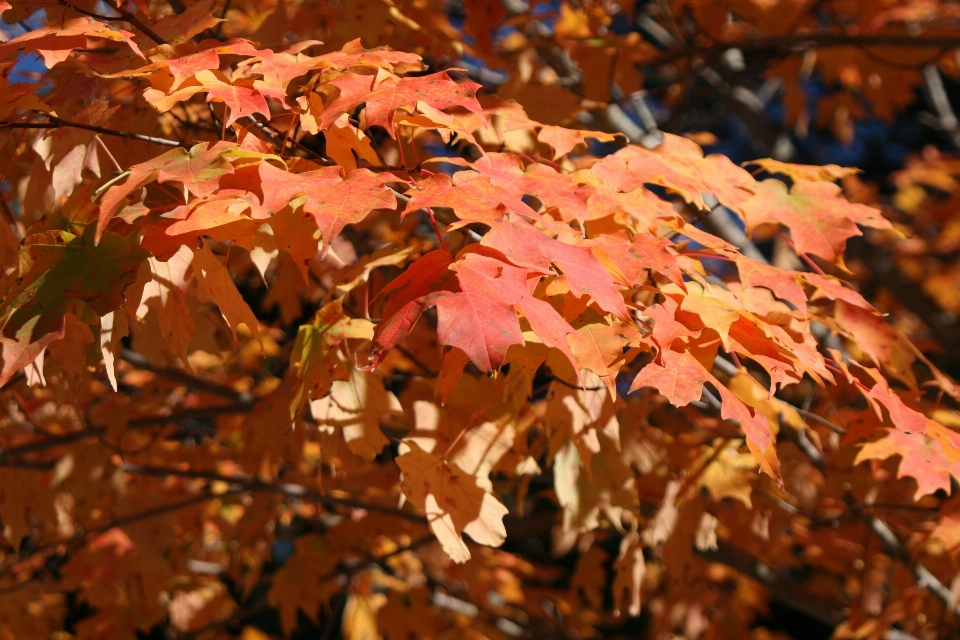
<point>57,123</point>
<point>286,488</point>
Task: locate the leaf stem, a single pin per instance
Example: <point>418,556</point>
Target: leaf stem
<point>433,221</point>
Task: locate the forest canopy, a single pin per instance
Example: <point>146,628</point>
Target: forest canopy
<point>479,318</point>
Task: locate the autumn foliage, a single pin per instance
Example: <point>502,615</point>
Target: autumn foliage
<point>405,319</point>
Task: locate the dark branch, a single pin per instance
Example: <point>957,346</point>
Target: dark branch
<point>286,488</point>
<point>57,123</point>
<point>184,378</point>
<point>798,43</point>
<point>125,16</point>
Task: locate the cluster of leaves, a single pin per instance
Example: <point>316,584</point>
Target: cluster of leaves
<point>295,337</point>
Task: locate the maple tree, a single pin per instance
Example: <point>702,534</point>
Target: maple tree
<point>407,319</point>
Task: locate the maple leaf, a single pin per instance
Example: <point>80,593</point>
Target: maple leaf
<point>352,88</point>
<point>182,26</point>
<point>314,356</point>
<point>57,267</point>
<point>278,70</point>
<point>921,458</point>
<point>437,90</point>
<point>784,284</point>
<point>526,247</point>
<point>427,274</point>
<point>679,166</point>
<point>332,200</point>
<point>453,502</point>
<point>198,170</point>
<point>634,258</point>
<point>563,140</point>
<point>829,172</point>
<point>491,290</point>
<point>312,558</point>
<point>819,217</point>
<point>346,144</point>
<point>569,266</point>
<point>471,195</point>
<point>598,347</point>
<point>215,283</point>
<point>356,406</point>
<point>242,100</point>
<point>680,379</point>
<point>349,200</point>
<point>55,44</point>
<point>189,65</point>
<point>164,298</point>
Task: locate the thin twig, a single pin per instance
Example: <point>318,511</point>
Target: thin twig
<point>7,456</point>
<point>56,123</point>
<point>198,384</point>
<point>286,488</point>
<point>125,16</point>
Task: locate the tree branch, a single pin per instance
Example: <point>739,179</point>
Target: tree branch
<point>286,488</point>
<point>7,456</point>
<point>798,43</point>
<point>125,16</point>
<point>57,123</point>
<point>83,538</point>
<point>184,378</point>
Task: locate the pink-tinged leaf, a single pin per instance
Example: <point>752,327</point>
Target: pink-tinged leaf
<point>55,44</point>
<point>183,68</point>
<point>278,71</point>
<point>903,417</point>
<point>820,219</point>
<point>354,89</point>
<point>437,89</point>
<point>680,379</point>
<point>755,426</point>
<point>524,246</point>
<point>483,328</point>
<point>666,329</point>
<point>425,275</point>
<point>199,170</point>
<point>508,286</point>
<point>783,283</point>
<point>394,329</point>
<point>471,196</point>
<point>557,190</point>
<point>634,258</point>
<point>921,458</point>
<point>354,55</point>
<point>679,166</point>
<point>345,201</point>
<point>334,201</point>
<point>834,289</point>
<point>242,100</point>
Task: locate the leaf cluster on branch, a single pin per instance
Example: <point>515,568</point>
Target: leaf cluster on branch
<point>303,337</point>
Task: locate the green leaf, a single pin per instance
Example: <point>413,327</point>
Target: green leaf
<point>314,355</point>
<point>57,268</point>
